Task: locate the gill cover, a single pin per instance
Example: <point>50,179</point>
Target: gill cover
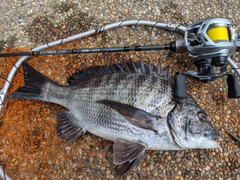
<point>191,127</point>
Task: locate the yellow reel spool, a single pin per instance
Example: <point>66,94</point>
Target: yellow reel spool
<point>219,33</point>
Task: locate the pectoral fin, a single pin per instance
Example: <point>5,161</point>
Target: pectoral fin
<point>127,155</point>
<point>67,128</point>
<point>134,115</point>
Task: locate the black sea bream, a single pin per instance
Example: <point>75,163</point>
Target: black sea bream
<point>130,104</point>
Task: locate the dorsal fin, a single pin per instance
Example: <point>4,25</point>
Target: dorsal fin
<point>125,67</point>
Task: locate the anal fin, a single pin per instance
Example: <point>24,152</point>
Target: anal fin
<point>127,154</point>
<point>67,128</point>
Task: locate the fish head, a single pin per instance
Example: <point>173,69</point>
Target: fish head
<point>191,127</point>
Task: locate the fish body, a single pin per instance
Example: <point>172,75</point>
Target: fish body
<point>129,103</point>
<point>108,123</point>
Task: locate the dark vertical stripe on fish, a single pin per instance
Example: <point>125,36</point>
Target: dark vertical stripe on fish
<point>98,82</point>
<point>132,94</point>
<point>138,83</point>
<point>111,91</point>
<point>108,80</point>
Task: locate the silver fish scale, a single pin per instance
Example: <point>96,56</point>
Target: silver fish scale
<point>147,92</point>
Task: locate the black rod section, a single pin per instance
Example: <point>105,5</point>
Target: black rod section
<point>15,54</point>
<point>87,50</point>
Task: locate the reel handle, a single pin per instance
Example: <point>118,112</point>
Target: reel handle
<point>233,86</point>
<point>180,90</point>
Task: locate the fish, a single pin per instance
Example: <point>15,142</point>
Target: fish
<point>129,103</point>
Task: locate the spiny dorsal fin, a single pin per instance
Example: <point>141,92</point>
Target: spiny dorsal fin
<point>125,67</point>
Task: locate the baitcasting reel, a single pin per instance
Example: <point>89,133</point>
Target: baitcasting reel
<point>213,42</point>
<point>210,43</point>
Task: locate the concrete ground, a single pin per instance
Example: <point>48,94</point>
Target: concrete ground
<point>29,145</point>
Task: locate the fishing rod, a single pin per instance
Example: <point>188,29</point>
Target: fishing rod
<point>89,50</point>
<point>210,42</point>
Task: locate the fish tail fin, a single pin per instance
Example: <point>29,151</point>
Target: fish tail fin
<point>35,86</point>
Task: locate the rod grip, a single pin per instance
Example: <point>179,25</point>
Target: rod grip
<point>233,86</point>
<point>180,90</point>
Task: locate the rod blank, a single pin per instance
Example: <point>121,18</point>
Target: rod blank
<point>87,50</point>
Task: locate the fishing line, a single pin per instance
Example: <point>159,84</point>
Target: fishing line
<point>6,80</point>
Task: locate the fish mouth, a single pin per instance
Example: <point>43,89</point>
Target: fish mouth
<point>210,137</point>
<point>212,134</point>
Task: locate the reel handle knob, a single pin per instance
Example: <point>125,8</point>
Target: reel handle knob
<point>233,86</point>
<point>180,90</point>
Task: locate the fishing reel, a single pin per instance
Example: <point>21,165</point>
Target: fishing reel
<point>210,43</point>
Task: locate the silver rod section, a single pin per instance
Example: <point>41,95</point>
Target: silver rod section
<point>3,175</point>
<point>233,65</point>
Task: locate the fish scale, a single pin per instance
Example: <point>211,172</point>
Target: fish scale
<point>83,96</point>
<point>125,93</point>
<point>129,103</point>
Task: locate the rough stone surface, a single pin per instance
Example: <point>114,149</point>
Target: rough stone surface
<point>29,145</point>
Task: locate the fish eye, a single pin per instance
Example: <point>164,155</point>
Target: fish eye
<point>202,116</point>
